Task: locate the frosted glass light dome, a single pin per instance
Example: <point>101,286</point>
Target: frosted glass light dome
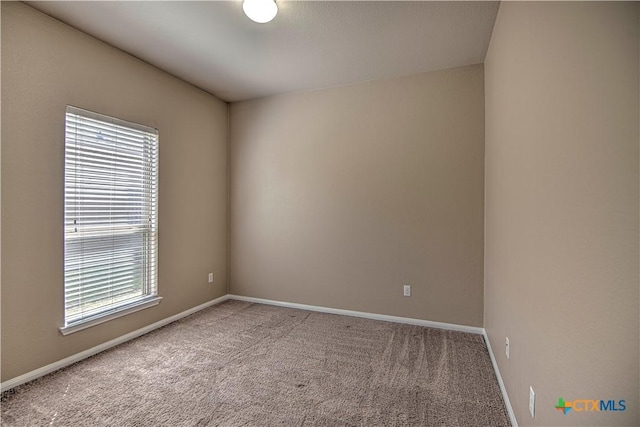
<point>260,11</point>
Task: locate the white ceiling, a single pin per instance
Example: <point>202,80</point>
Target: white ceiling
<point>309,45</point>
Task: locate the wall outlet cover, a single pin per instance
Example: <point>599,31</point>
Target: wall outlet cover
<point>532,402</point>
<point>506,347</point>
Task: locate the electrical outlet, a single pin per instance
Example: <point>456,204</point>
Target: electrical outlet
<point>210,277</point>
<point>532,402</point>
<point>407,290</point>
<point>506,347</point>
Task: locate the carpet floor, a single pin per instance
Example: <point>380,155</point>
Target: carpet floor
<point>243,364</point>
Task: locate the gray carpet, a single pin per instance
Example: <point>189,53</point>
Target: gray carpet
<point>242,364</point>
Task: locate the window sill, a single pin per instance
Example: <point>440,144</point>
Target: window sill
<point>128,309</point>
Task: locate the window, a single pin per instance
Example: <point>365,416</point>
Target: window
<point>110,218</point>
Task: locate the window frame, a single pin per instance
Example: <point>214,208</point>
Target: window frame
<point>149,234</point>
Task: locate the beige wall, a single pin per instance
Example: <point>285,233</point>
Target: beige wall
<point>340,196</point>
<point>45,66</point>
<point>561,258</point>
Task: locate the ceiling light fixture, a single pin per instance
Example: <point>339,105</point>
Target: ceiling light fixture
<point>260,11</point>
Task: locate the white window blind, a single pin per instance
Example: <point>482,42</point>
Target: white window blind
<point>111,217</point>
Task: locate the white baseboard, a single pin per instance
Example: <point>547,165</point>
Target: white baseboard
<point>503,389</point>
<point>37,373</point>
<point>374,316</point>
